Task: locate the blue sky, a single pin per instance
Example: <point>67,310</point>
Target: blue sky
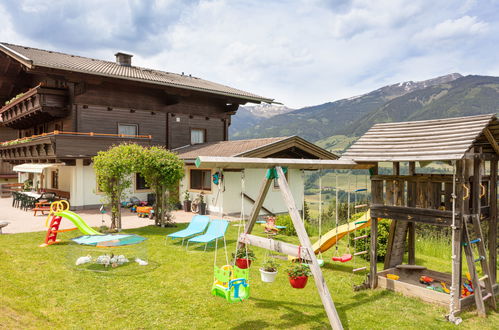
<point>300,52</point>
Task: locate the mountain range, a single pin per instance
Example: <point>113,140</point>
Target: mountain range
<point>338,124</point>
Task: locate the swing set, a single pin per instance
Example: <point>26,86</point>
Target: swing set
<point>305,250</point>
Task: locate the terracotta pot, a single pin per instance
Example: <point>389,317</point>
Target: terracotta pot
<point>243,263</point>
<point>298,282</point>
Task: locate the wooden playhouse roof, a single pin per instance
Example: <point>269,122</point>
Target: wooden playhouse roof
<point>426,140</point>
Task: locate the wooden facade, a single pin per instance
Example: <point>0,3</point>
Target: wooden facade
<point>43,92</point>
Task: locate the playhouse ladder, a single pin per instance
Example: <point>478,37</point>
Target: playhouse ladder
<point>477,239</point>
<point>365,284</point>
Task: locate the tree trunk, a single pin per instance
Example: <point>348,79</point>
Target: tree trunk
<point>157,206</point>
<point>113,212</point>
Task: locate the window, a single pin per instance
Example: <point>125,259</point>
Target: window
<point>55,179</point>
<point>128,129</point>
<point>197,136</point>
<point>200,179</point>
<point>140,182</point>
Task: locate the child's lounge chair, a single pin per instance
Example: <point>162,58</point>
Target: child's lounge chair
<point>215,231</point>
<point>197,226</point>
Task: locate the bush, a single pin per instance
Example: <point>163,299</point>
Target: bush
<point>285,220</point>
<point>364,244</point>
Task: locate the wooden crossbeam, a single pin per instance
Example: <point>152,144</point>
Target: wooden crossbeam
<point>491,139</point>
<point>277,246</point>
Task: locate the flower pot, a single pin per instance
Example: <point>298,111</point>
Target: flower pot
<point>298,282</point>
<point>202,208</point>
<point>243,263</point>
<point>187,206</point>
<point>267,277</point>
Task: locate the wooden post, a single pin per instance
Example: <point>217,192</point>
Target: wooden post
<point>457,235</point>
<point>373,269</point>
<point>257,206</point>
<point>327,301</point>
<point>493,221</point>
<point>411,202</point>
<point>398,197</point>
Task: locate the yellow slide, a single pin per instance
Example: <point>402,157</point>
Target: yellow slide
<point>330,238</point>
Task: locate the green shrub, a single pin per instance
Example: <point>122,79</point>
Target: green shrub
<point>364,244</point>
<point>285,220</point>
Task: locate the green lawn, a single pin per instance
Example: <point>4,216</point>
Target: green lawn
<point>39,289</point>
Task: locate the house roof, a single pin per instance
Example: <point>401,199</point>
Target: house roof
<point>426,140</point>
<point>262,148</point>
<point>33,57</point>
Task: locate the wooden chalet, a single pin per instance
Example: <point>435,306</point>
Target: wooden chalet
<point>463,201</point>
<point>198,180</point>
<point>62,109</point>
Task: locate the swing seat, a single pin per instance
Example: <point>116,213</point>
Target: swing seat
<point>343,258</point>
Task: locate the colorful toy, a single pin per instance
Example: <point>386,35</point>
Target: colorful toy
<point>444,287</point>
<point>231,283</point>
<point>144,211</point>
<point>59,210</point>
<point>425,280</point>
<point>392,276</point>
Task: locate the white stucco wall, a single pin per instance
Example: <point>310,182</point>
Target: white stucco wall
<point>81,182</point>
<point>252,180</point>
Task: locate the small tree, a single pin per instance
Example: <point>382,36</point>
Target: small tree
<point>113,168</point>
<point>162,171</point>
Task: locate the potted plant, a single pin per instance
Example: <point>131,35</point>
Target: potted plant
<point>244,257</point>
<point>202,204</point>
<point>268,271</point>
<point>187,201</point>
<point>298,275</point>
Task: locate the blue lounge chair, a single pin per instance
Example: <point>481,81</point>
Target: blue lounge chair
<point>216,230</point>
<point>197,226</point>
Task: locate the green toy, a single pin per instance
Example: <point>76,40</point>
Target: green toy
<point>231,283</point>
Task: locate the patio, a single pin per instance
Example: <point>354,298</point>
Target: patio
<point>23,221</point>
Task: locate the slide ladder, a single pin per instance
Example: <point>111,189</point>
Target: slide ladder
<point>468,243</point>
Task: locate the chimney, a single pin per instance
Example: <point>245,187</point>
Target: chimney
<point>123,59</point>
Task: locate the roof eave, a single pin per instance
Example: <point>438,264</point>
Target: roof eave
<point>204,90</point>
<point>17,56</point>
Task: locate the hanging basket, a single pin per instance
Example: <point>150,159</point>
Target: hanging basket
<point>243,263</point>
<point>267,277</point>
<point>298,282</point>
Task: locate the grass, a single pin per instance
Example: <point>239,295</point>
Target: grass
<point>40,289</point>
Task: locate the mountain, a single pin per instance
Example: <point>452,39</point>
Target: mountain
<point>466,96</point>
<point>247,116</point>
<point>333,117</point>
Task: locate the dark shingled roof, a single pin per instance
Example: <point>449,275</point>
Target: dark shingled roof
<point>33,57</point>
<point>251,148</point>
<point>426,140</point>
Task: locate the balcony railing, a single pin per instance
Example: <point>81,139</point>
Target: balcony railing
<point>59,145</point>
<point>37,105</point>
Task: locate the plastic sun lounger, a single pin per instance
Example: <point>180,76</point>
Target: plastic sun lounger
<point>216,230</point>
<point>197,226</point>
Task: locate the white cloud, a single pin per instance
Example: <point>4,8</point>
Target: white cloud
<point>454,28</point>
<point>299,52</point>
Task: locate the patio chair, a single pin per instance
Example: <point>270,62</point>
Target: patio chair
<point>216,230</point>
<point>197,226</point>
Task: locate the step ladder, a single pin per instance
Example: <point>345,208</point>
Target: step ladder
<point>469,241</point>
<point>357,238</point>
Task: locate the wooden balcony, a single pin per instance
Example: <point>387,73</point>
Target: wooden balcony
<point>36,106</point>
<point>63,146</point>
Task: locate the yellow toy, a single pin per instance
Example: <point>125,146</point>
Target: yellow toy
<point>392,276</point>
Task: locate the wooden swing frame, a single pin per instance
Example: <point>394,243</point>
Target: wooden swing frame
<point>275,171</point>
